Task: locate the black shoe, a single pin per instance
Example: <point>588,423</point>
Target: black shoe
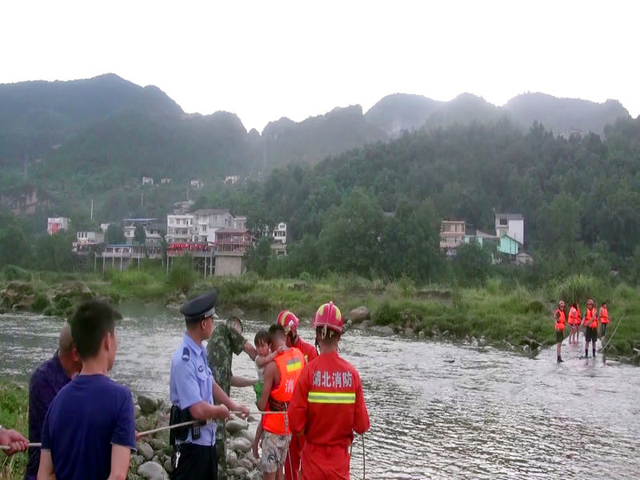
<point>560,360</point>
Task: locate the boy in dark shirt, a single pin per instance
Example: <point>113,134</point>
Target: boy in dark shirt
<point>89,430</point>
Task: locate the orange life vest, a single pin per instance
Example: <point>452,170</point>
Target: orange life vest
<point>561,319</point>
<point>590,318</point>
<point>290,364</point>
<point>604,315</point>
<point>574,316</point>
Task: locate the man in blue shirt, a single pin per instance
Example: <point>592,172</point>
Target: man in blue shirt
<point>192,393</point>
<point>46,382</point>
<point>89,430</point>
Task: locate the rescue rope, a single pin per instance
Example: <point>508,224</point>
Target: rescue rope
<point>168,427</point>
<point>614,332</point>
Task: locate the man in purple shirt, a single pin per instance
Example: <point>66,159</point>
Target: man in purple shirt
<point>89,430</point>
<point>46,382</point>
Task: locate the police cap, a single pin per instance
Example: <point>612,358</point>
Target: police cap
<point>199,308</point>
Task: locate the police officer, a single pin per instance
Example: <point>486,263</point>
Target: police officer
<point>192,393</point>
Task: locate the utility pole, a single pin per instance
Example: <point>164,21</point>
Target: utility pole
<point>92,209</point>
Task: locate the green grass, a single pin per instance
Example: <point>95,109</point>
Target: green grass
<point>14,406</point>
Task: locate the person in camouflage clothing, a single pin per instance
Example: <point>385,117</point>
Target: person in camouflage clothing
<point>225,341</point>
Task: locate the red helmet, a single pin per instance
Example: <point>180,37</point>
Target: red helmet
<point>329,316</point>
<point>288,320</point>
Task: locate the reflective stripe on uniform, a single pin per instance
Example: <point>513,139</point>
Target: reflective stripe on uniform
<point>293,365</point>
<point>332,397</point>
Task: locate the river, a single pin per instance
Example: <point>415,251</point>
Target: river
<point>438,410</point>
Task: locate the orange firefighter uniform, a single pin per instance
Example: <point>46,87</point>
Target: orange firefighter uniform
<point>574,316</point>
<point>292,466</point>
<point>327,407</point>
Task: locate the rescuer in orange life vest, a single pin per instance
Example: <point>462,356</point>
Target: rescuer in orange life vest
<point>280,378</point>
<point>561,318</point>
<point>574,323</point>
<point>290,324</point>
<point>591,328</point>
<point>603,315</point>
<point>328,405</point>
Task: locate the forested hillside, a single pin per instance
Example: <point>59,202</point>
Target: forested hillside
<point>580,198</point>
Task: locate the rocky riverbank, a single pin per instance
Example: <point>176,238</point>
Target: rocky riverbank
<point>152,461</point>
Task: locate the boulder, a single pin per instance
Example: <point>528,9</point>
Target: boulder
<point>232,459</point>
<point>25,304</point>
<point>148,405</point>
<point>248,435</point>
<point>75,290</point>
<point>136,410</point>
<point>239,472</point>
<point>421,335</point>
<point>362,325</point>
<point>145,450</point>
<point>474,342</point>
<point>137,460</point>
<point>408,332</point>
<point>240,444</point>
<point>385,331</point>
<point>152,471</point>
<point>360,314</point>
<point>168,466</point>
<point>235,426</point>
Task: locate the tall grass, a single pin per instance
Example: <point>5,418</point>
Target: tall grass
<point>14,403</point>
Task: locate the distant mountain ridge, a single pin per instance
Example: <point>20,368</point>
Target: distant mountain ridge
<point>398,112</point>
<point>106,131</point>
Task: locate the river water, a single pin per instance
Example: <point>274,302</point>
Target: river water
<point>437,410</point>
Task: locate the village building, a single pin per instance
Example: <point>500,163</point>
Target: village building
<point>279,244</point>
<point>180,228</point>
<point>165,181</point>
<point>147,181</point>
<point>57,224</point>
<point>153,230</point>
<point>511,224</point>
<point>231,246</point>
<point>231,179</point>
<point>452,234</point>
<point>208,221</point>
<point>196,184</point>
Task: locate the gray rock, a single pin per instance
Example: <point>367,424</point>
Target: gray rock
<point>526,349</point>
<point>421,335</point>
<point>482,342</point>
<point>360,314</point>
<point>145,450</point>
<point>445,333</point>
<point>408,332</point>
<point>157,445</point>
<point>148,405</point>
<point>240,444</point>
<point>239,472</point>
<point>246,463</point>
<point>152,471</point>
<point>248,435</point>
<point>474,342</point>
<point>137,411</point>
<point>382,331</point>
<point>168,466</point>
<point>236,312</point>
<point>362,325</point>
<point>624,360</point>
<point>137,460</point>
<point>232,458</point>
<point>235,426</point>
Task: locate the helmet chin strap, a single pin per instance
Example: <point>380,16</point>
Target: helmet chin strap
<point>324,331</point>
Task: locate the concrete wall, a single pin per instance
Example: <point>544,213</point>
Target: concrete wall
<point>231,266</point>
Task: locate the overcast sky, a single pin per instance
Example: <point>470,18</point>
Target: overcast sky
<point>267,59</point>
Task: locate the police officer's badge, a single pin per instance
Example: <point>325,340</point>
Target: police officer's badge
<point>185,354</point>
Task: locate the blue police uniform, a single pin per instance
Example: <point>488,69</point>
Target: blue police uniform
<point>191,382</point>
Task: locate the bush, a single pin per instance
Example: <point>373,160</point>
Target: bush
<point>11,272</point>
<point>182,276</point>
<point>40,302</point>
<point>578,288</point>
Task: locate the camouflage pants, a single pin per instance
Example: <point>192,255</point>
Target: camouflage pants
<point>221,437</point>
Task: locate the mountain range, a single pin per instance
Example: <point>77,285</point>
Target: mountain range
<point>108,131</point>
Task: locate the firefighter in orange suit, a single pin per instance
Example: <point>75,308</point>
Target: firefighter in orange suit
<point>327,404</point>
<point>290,323</point>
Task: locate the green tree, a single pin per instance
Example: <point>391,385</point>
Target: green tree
<point>115,234</point>
<point>472,263</point>
<point>139,235</point>
<point>53,252</point>
<point>258,256</point>
<point>14,246</point>
<point>182,276</point>
<point>351,233</point>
